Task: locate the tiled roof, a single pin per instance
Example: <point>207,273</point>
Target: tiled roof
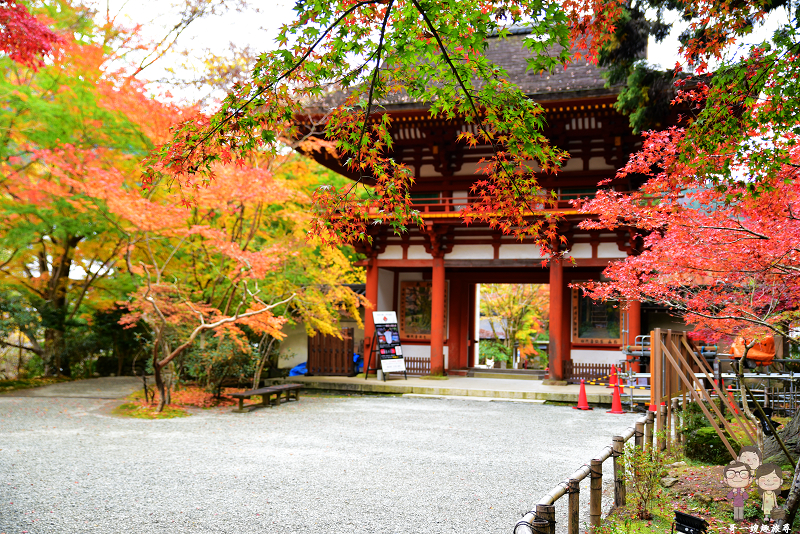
<point>578,80</point>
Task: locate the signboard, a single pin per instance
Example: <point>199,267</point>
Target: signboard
<point>388,348</point>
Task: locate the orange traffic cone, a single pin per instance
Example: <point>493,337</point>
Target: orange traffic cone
<point>612,380</point>
<point>732,399</point>
<point>616,401</point>
<point>583,404</point>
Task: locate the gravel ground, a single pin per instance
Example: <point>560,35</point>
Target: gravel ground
<point>324,464</point>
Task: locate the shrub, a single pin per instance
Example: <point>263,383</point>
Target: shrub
<point>705,445</point>
<point>643,471</point>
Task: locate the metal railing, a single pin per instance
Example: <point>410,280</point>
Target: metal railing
<point>541,520</point>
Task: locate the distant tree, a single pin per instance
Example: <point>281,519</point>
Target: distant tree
<point>23,38</point>
<point>516,313</point>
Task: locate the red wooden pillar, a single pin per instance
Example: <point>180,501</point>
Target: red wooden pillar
<point>466,322</point>
<point>437,316</point>
<point>470,325</point>
<point>566,320</point>
<point>556,319</point>
<point>634,326</point>
<point>454,334</point>
<point>369,323</point>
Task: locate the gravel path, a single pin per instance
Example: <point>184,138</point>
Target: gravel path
<point>325,464</point>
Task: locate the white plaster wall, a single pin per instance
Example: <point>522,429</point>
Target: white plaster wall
<point>597,356</point>
<point>417,351</point>
<point>385,296</point>
<point>609,250</point>
<point>428,170</point>
<point>392,252</point>
<point>294,348</point>
<point>599,163</point>
<point>460,199</point>
<point>519,252</point>
<point>581,250</point>
<point>573,164</point>
<point>470,252</point>
<point>424,351</point>
<point>417,252</point>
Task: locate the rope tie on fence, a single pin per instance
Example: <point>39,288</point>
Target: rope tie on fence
<point>616,454</point>
<point>637,434</point>
<point>594,473</point>
<point>536,517</point>
<point>571,491</point>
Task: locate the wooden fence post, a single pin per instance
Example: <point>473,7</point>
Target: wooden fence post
<point>638,437</point>
<point>662,436</point>
<point>547,512</point>
<point>618,444</point>
<point>648,432</point>
<point>656,370</point>
<point>595,492</point>
<point>573,517</point>
<point>675,421</point>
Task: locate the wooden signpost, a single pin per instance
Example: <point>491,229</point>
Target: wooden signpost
<point>386,346</point>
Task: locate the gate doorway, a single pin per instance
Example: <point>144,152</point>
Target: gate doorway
<point>513,331</point>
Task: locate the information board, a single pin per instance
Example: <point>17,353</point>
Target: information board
<point>388,348</point>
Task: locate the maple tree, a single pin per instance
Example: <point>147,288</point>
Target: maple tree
<point>61,132</point>
<point>23,38</point>
<point>718,213</point>
<point>373,51</point>
<point>236,264</point>
<point>76,226</point>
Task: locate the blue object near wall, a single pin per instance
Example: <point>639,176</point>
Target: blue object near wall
<point>298,370</point>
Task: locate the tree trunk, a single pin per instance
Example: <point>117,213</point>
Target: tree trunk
<point>120,358</point>
<point>157,370</point>
<point>790,436</point>
<point>264,352</point>
<point>55,362</point>
<point>793,500</point>
<point>160,387</point>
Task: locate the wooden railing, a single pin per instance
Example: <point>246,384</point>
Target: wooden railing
<point>575,372</point>
<point>456,204</point>
<point>542,518</point>
<point>417,366</point>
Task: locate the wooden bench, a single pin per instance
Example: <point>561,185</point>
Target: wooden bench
<point>291,390</point>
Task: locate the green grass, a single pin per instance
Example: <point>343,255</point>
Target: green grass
<point>27,383</point>
<point>137,411</point>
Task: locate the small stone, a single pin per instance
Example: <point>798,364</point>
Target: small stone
<point>668,482</point>
<point>676,464</point>
<point>705,499</point>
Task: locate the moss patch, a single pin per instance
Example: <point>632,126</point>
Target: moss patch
<point>434,377</point>
<point>27,383</point>
<point>142,411</point>
<point>705,445</point>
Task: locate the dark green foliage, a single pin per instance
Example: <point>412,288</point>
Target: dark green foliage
<point>693,418</point>
<point>646,92</point>
<point>704,445</point>
<point>494,350</point>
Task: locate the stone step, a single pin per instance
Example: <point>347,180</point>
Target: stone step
<point>515,376</point>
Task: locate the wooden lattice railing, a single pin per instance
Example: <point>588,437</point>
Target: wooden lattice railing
<point>575,371</point>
